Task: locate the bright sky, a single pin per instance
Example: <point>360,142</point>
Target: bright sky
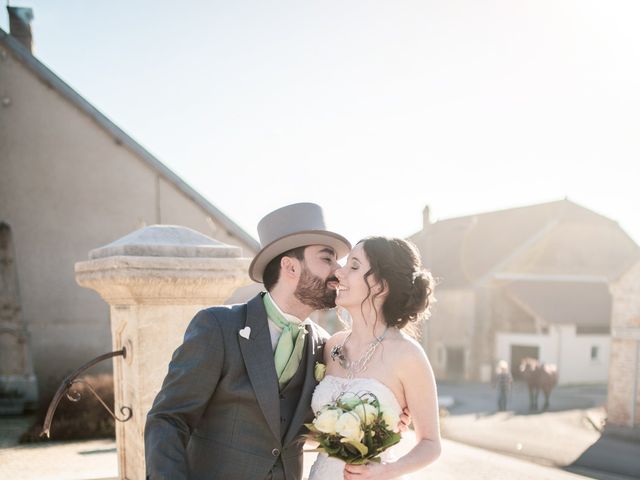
<point>371,108</point>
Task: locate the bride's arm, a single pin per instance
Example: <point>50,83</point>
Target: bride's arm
<point>422,400</point>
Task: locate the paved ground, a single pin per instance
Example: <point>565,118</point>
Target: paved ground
<point>570,433</point>
<point>96,459</point>
<point>460,461</point>
<point>482,398</point>
<point>11,428</point>
<point>567,436</point>
<point>88,460</point>
<point>480,443</point>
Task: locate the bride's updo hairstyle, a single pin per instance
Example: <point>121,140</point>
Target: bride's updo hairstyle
<point>397,263</point>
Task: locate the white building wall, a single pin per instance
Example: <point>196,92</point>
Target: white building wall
<point>576,364</point>
<point>569,351</point>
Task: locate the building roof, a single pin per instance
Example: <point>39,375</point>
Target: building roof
<point>24,56</point>
<point>556,237</point>
<point>584,303</point>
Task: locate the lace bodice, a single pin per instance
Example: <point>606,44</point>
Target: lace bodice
<point>327,468</point>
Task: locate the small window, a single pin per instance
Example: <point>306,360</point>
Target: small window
<point>595,351</point>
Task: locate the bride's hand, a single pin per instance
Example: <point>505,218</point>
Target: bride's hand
<point>371,471</point>
<point>405,420</point>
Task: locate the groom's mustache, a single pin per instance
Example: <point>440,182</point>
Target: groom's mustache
<point>331,278</point>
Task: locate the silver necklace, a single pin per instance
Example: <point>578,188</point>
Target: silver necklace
<point>359,365</point>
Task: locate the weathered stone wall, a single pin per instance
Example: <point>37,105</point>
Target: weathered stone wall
<point>18,385</point>
<point>624,367</point>
<point>67,185</point>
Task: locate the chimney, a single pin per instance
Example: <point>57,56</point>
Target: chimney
<point>20,25</point>
<point>426,217</point>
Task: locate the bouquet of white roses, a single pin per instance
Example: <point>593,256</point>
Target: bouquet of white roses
<point>354,428</point>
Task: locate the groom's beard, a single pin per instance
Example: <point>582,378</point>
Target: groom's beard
<point>314,292</point>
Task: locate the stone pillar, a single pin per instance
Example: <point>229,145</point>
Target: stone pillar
<point>623,399</point>
<point>155,280</point>
<point>18,385</point>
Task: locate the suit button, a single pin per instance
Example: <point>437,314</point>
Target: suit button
<point>275,452</point>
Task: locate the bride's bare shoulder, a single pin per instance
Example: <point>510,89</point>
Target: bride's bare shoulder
<point>407,348</point>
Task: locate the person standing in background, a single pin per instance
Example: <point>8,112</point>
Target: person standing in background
<point>503,381</point>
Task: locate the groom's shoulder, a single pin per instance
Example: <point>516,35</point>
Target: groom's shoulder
<point>235,315</point>
<point>220,319</point>
<point>224,314</point>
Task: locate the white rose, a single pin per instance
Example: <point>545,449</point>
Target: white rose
<point>391,418</point>
<point>348,426</point>
<point>367,412</point>
<point>326,419</point>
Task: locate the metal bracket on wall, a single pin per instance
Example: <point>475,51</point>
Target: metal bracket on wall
<point>74,396</point>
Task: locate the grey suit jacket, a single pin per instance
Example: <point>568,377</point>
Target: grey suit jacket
<point>218,412</point>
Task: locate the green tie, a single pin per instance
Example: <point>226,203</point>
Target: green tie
<point>288,352</point>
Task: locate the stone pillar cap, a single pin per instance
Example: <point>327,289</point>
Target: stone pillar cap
<point>166,241</point>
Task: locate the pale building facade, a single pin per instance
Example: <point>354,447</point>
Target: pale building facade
<point>528,281</point>
<point>580,359</point>
<point>71,180</point>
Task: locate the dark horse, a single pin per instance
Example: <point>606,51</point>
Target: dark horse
<point>539,376</point>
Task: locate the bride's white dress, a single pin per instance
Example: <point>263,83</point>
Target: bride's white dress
<point>329,468</point>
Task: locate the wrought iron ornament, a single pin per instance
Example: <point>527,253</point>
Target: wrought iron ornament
<point>74,396</point>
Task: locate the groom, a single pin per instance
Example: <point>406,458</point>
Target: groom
<point>239,388</point>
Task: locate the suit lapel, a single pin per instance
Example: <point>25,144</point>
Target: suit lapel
<point>258,359</point>
<point>303,408</point>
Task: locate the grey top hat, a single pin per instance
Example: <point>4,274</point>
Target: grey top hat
<point>291,227</point>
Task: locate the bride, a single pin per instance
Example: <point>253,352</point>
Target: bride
<point>385,290</point>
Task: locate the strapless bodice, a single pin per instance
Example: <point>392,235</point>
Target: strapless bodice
<point>331,386</point>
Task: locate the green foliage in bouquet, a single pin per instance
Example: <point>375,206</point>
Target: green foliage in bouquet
<point>355,428</point>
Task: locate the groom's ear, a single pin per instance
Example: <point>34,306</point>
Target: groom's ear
<point>290,267</point>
